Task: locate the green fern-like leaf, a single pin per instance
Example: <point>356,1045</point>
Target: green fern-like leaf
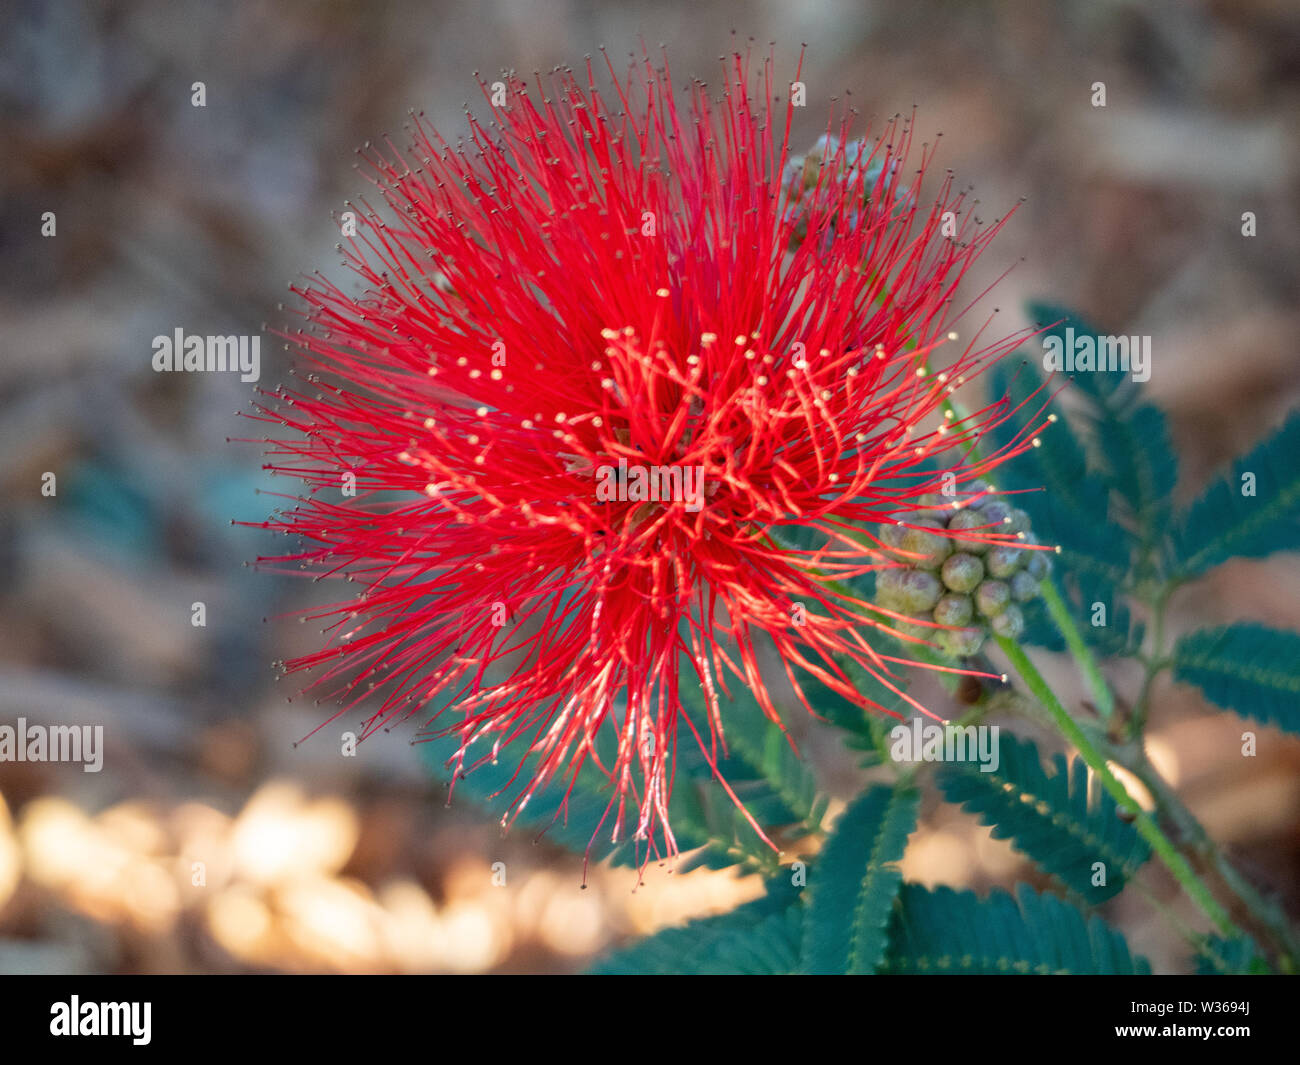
<point>1048,816</point>
<point>1237,956</point>
<point>1056,320</point>
<point>764,770</point>
<point>1039,630</point>
<point>946,931</point>
<point>771,780</point>
<point>1224,523</point>
<point>761,744</point>
<point>760,938</point>
<point>1121,635</point>
<point>1067,504</point>
<point>1132,441</point>
<point>1139,462</point>
<point>854,881</point>
<point>576,825</point>
<point>856,721</point>
<point>1249,669</point>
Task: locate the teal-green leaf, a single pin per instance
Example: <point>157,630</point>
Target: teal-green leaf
<point>1121,635</point>
<point>1223,522</point>
<point>1139,462</point>
<point>1237,956</point>
<point>760,749</point>
<point>1247,668</point>
<point>1056,320</point>
<point>1048,816</point>
<point>1039,630</point>
<point>1067,504</point>
<point>577,825</point>
<point>853,882</point>
<point>775,785</point>
<point>947,931</point>
<point>759,938</point>
<point>1129,438</point>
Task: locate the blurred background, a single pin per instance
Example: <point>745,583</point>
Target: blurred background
<point>173,215</point>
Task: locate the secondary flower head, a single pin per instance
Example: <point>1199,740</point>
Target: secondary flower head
<point>611,359</point>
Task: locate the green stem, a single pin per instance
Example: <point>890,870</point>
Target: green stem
<point>1137,722</point>
<point>1191,829</point>
<point>1145,825</point>
<point>1266,915</point>
<point>1064,621</point>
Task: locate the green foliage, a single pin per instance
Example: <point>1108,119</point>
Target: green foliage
<point>775,785</point>
<point>1100,485</point>
<point>1039,630</point>
<point>766,773</point>
<point>1131,440</point>
<point>947,931</point>
<point>576,825</point>
<point>1049,817</point>
<point>1223,522</point>
<point>758,938</point>
<point>763,745</point>
<point>1139,464</point>
<point>1068,505</point>
<point>929,931</point>
<point>1121,635</point>
<point>854,881</point>
<point>1055,320</point>
<point>1238,956</point>
<point>1066,502</point>
<point>1250,669</point>
<point>863,728</point>
<point>858,723</point>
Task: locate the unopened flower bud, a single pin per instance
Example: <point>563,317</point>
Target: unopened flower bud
<point>919,591</point>
<point>940,507</point>
<point>1039,564</point>
<point>962,572</point>
<point>992,597</point>
<point>1002,561</point>
<point>976,582</point>
<point>1024,586</point>
<point>1010,623</point>
<point>960,643</point>
<point>969,519</point>
<point>995,514</point>
<point>931,548</point>
<point>889,588</point>
<point>921,632</point>
<point>953,609</point>
<point>892,535</point>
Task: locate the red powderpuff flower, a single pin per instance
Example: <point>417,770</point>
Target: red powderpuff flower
<point>604,365</point>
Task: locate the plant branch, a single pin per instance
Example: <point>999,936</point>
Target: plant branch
<point>1059,612</point>
<point>1143,822</point>
<point>1266,915</point>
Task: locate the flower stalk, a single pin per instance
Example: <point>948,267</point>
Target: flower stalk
<point>1103,698</point>
<point>1143,822</point>
<point>1098,750</point>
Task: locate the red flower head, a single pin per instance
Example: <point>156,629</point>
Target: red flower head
<point>606,362</point>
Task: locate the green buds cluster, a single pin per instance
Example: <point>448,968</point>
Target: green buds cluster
<point>969,586</point>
